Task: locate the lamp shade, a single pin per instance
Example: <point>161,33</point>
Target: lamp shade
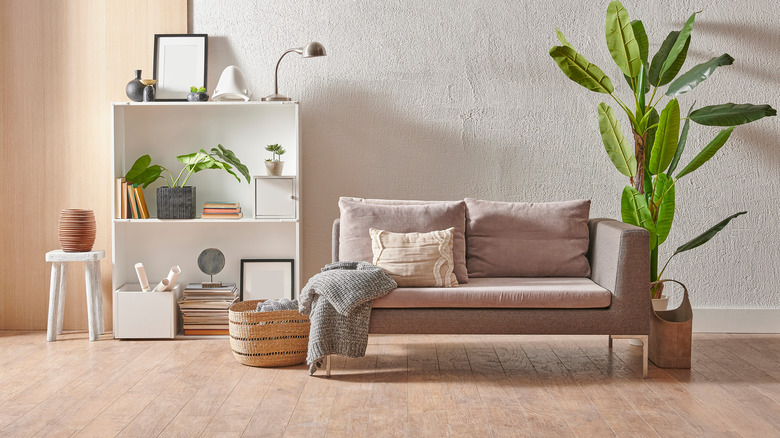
<point>313,50</point>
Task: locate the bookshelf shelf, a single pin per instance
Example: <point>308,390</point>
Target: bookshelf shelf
<point>198,220</point>
<point>165,130</point>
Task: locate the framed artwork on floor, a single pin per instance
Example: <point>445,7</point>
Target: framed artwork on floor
<point>179,63</point>
<point>263,279</point>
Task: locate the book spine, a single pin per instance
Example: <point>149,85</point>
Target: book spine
<point>118,197</point>
<point>122,198</point>
<point>222,210</point>
<point>131,199</point>
<point>139,196</point>
<point>222,216</point>
<point>220,205</point>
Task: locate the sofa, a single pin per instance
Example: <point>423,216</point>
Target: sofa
<point>521,268</point>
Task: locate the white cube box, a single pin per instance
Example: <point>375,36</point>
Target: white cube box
<point>146,315</point>
<point>275,197</point>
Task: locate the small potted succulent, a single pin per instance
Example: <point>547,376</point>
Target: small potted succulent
<point>198,94</point>
<point>177,200</point>
<point>274,165</point>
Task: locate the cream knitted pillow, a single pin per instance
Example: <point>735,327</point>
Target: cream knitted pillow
<point>415,259</point>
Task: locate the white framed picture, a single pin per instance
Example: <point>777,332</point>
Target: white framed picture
<point>263,279</point>
<point>179,63</point>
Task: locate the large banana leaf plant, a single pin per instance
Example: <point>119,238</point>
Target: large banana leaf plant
<point>651,167</point>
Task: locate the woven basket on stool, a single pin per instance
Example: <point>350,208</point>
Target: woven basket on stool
<point>267,339</point>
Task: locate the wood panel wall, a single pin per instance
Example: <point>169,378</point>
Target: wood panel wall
<point>62,64</point>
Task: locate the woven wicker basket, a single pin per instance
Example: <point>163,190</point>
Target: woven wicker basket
<point>267,339</point>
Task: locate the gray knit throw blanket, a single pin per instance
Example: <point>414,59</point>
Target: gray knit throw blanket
<point>338,302</point>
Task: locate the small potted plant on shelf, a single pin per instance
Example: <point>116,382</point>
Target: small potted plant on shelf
<point>274,165</point>
<point>177,200</point>
<point>198,94</point>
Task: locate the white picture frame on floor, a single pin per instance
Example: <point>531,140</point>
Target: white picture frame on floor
<point>180,62</point>
<point>264,279</point>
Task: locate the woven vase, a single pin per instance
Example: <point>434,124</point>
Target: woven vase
<point>76,230</point>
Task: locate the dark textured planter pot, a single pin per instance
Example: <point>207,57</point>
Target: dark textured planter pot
<point>176,202</point>
<point>198,97</point>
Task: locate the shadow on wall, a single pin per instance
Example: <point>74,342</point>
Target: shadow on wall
<point>356,143</point>
<point>753,35</point>
<point>220,55</point>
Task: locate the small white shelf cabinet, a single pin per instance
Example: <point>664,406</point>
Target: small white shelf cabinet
<point>165,130</point>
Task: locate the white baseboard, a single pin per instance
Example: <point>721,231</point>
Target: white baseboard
<point>736,320</point>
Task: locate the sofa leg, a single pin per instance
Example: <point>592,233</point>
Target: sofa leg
<point>644,340</point>
<point>327,366</point>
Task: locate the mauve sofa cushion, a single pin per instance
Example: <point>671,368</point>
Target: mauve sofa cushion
<point>359,215</point>
<point>521,239</point>
<point>503,292</point>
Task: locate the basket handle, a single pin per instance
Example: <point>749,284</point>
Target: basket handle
<point>664,280</point>
<point>684,311</point>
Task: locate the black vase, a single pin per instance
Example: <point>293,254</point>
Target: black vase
<point>149,93</point>
<point>135,89</point>
<point>176,202</point>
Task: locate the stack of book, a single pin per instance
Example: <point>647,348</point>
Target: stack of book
<point>204,310</point>
<point>221,210</point>
<point>130,201</point>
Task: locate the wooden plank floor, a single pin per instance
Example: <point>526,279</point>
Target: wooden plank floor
<point>406,386</point>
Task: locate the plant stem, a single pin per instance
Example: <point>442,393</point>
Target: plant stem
<point>178,177</point>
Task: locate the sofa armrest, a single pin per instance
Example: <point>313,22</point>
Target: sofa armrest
<point>335,240</point>
<point>619,255</point>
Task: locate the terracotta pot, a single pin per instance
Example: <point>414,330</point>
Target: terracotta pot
<point>76,230</point>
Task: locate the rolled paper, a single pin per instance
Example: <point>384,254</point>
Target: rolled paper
<point>139,269</point>
<point>173,274</point>
<point>162,286</point>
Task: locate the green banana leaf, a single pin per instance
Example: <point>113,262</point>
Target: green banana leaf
<point>705,237</point>
<point>708,152</point>
<point>229,157</point>
<point>654,74</point>
<point>562,38</point>
<point>621,41</point>
<point>663,197</point>
<point>579,70</point>
<point>680,45</point>
<point>665,143</point>
<point>618,148</point>
<point>681,143</point>
<point>634,211</point>
<point>652,119</point>
<point>641,39</point>
<point>693,77</point>
<point>731,114</point>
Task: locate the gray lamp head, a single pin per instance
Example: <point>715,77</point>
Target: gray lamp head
<point>311,50</point>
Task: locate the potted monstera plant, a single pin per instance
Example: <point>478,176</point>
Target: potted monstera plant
<point>177,199</point>
<point>652,165</point>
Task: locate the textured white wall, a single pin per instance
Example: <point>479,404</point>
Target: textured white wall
<point>446,99</point>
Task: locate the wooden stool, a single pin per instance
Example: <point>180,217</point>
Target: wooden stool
<point>59,270</point>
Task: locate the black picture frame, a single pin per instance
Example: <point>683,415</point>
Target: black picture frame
<point>186,54</point>
<point>251,268</point>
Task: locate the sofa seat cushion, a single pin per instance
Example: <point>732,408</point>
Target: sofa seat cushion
<point>504,292</point>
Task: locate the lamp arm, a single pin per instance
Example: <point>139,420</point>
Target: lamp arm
<point>276,71</point>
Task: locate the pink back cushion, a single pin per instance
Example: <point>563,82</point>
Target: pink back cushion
<point>521,239</point>
<point>359,215</point>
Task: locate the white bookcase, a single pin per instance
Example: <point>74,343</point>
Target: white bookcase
<point>166,130</point>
